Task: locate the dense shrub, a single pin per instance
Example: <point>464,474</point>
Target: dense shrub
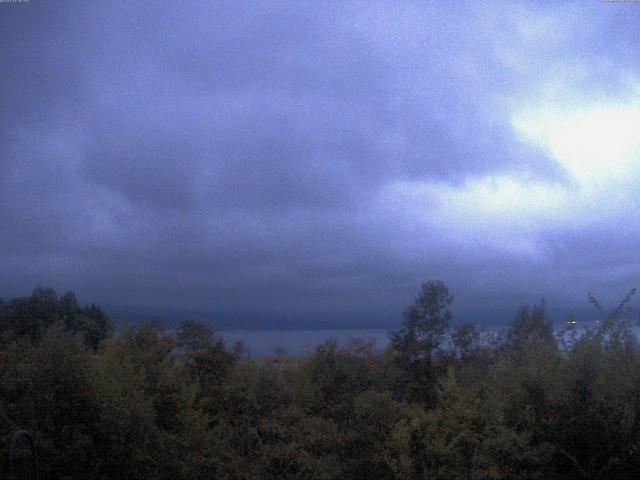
<point>439,403</point>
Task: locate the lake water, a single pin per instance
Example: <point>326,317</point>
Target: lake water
<point>298,342</point>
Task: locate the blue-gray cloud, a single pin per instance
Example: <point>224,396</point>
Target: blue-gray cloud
<point>311,158</point>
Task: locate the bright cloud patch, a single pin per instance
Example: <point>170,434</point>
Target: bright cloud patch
<point>597,146</point>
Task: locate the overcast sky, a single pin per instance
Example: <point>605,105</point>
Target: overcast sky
<point>320,159</point>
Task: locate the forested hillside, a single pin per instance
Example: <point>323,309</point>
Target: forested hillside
<point>441,402</point>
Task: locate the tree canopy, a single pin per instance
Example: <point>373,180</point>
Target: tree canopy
<point>440,402</point>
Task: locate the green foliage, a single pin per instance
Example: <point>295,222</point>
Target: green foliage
<point>420,339</point>
<point>439,403</point>
<point>31,317</point>
<point>530,325</point>
<point>194,336</point>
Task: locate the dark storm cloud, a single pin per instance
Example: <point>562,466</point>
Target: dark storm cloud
<point>291,157</point>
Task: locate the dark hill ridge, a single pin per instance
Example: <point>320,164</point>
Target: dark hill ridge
<point>172,317</point>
